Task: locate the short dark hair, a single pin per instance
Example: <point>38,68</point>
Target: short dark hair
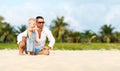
<point>39,17</point>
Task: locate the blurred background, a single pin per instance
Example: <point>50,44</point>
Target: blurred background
<point>71,21</point>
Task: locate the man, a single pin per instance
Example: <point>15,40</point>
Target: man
<point>43,32</point>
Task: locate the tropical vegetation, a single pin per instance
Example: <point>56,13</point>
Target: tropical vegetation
<point>62,33</point>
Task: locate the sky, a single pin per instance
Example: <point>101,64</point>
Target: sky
<point>81,15</point>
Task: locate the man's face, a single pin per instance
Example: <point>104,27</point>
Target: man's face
<point>40,23</point>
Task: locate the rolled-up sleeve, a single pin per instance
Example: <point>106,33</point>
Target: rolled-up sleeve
<point>19,37</point>
<point>51,39</point>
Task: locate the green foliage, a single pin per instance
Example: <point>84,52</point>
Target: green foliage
<point>88,36</point>
<point>62,33</point>
<point>6,32</point>
<point>21,29</point>
<point>58,27</point>
<point>115,37</point>
<point>106,33</point>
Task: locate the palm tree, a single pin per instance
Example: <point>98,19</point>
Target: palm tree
<point>6,32</point>
<point>106,32</point>
<point>88,35</point>
<point>116,37</point>
<point>21,29</point>
<point>76,37</point>
<point>59,27</point>
<point>1,19</point>
<point>1,24</point>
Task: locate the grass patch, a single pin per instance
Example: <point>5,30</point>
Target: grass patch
<point>83,46</point>
<point>71,46</point>
<point>8,46</point>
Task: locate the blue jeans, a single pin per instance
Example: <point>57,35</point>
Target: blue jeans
<point>37,49</point>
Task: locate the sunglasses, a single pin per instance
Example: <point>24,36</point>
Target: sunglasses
<point>41,22</point>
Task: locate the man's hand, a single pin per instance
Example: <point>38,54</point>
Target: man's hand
<point>47,47</point>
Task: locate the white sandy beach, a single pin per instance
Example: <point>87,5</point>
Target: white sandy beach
<point>91,60</point>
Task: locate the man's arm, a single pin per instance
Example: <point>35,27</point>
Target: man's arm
<point>51,39</point>
<point>19,37</point>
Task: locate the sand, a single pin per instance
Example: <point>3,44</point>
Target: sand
<point>90,60</point>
